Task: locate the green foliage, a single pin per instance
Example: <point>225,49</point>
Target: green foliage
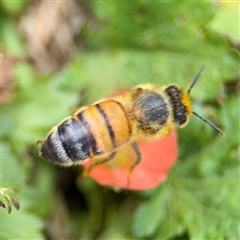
<point>144,25</point>
<point>20,225</point>
<point>13,8</point>
<point>225,21</point>
<point>134,42</point>
<point>15,224</point>
<point>10,180</point>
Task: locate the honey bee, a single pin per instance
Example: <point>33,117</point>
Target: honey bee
<point>146,112</point>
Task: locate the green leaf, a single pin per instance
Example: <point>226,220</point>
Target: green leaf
<point>12,172</point>
<point>226,21</point>
<point>20,225</point>
<point>11,41</point>
<point>149,215</point>
<point>198,206</point>
<point>13,7</point>
<point>13,176</point>
<point>150,25</point>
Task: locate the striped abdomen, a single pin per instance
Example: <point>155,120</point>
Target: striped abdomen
<point>96,130</point>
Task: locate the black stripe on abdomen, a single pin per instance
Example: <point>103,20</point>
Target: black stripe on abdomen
<point>107,124</point>
<point>90,137</point>
<point>126,117</point>
<point>74,139</point>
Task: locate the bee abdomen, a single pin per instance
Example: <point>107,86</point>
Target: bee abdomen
<point>67,143</point>
<point>75,140</point>
<point>93,132</point>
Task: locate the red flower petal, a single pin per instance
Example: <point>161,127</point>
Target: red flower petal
<point>157,158</point>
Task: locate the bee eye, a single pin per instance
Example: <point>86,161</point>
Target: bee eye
<point>181,118</point>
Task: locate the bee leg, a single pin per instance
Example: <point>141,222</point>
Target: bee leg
<point>136,162</point>
<point>111,157</point>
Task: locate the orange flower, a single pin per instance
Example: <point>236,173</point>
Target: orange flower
<point>157,159</point>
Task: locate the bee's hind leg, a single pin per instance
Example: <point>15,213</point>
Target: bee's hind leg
<point>111,157</point>
<point>136,162</point>
<point>89,169</point>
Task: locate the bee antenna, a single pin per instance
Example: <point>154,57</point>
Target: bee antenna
<point>196,78</point>
<point>210,124</point>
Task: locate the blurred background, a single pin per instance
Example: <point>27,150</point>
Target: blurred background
<point>56,55</point>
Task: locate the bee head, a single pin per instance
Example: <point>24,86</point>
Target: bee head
<point>181,105</point>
